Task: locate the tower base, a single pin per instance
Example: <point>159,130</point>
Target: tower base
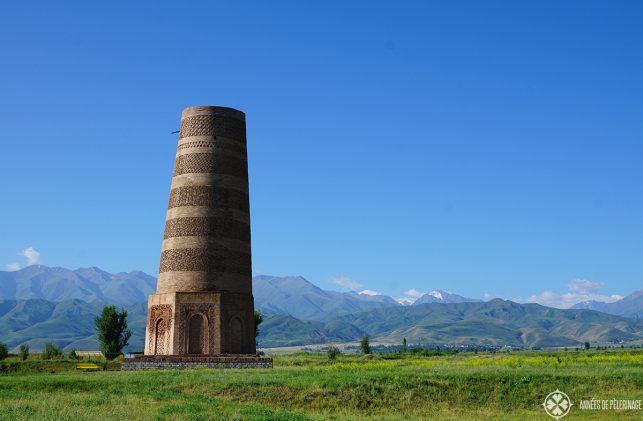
<point>200,324</point>
<point>184,362</point>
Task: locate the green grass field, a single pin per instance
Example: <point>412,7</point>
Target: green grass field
<point>309,386</point>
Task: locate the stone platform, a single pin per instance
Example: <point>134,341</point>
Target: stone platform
<point>148,362</point>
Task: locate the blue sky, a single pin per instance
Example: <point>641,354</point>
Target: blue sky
<point>477,147</point>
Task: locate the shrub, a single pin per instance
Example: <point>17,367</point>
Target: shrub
<point>51,351</point>
<point>333,352</point>
<point>72,355</point>
<point>4,352</point>
<point>24,352</point>
<point>258,319</point>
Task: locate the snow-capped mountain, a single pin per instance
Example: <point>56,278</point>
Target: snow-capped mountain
<point>443,297</point>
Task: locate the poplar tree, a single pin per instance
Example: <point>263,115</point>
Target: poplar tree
<point>112,330</point>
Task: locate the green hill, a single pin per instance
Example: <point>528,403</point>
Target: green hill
<point>70,324</point>
<point>497,322</point>
<point>285,330</point>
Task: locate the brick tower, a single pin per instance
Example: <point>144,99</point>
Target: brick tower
<point>203,305</point>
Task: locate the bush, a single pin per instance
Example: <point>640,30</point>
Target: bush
<point>72,355</point>
<point>52,352</point>
<point>258,319</point>
<point>24,352</point>
<point>4,352</point>
<point>333,352</point>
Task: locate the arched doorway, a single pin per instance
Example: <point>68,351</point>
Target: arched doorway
<point>235,336</point>
<point>160,337</point>
<point>196,335</point>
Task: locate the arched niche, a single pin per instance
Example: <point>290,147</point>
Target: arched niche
<point>197,335</point>
<point>235,336</point>
<point>161,336</point>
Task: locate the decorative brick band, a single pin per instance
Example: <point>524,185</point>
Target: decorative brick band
<point>209,196</point>
<point>202,260</point>
<point>213,125</point>
<point>196,163</point>
<point>196,144</point>
<point>233,146</point>
<point>207,227</point>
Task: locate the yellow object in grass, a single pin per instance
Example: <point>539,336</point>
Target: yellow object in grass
<point>87,366</point>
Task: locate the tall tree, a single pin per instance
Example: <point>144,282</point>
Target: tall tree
<point>113,333</point>
<point>24,351</point>
<point>365,344</point>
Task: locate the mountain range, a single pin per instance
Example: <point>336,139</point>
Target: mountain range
<point>39,304</point>
<point>630,306</point>
<point>87,284</point>
<point>292,295</point>
<point>443,297</point>
<point>69,324</point>
<point>496,322</point>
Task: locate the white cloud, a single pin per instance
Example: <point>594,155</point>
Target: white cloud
<point>414,293</point>
<point>12,267</point>
<point>410,296</point>
<point>581,290</point>
<point>347,283</point>
<point>370,292</point>
<point>584,286</point>
<point>487,296</point>
<point>31,254</point>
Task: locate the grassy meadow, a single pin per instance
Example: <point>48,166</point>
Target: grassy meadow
<point>309,386</point>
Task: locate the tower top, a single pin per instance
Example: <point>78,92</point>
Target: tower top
<point>214,111</point>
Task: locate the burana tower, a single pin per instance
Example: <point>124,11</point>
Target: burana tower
<point>203,305</point>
